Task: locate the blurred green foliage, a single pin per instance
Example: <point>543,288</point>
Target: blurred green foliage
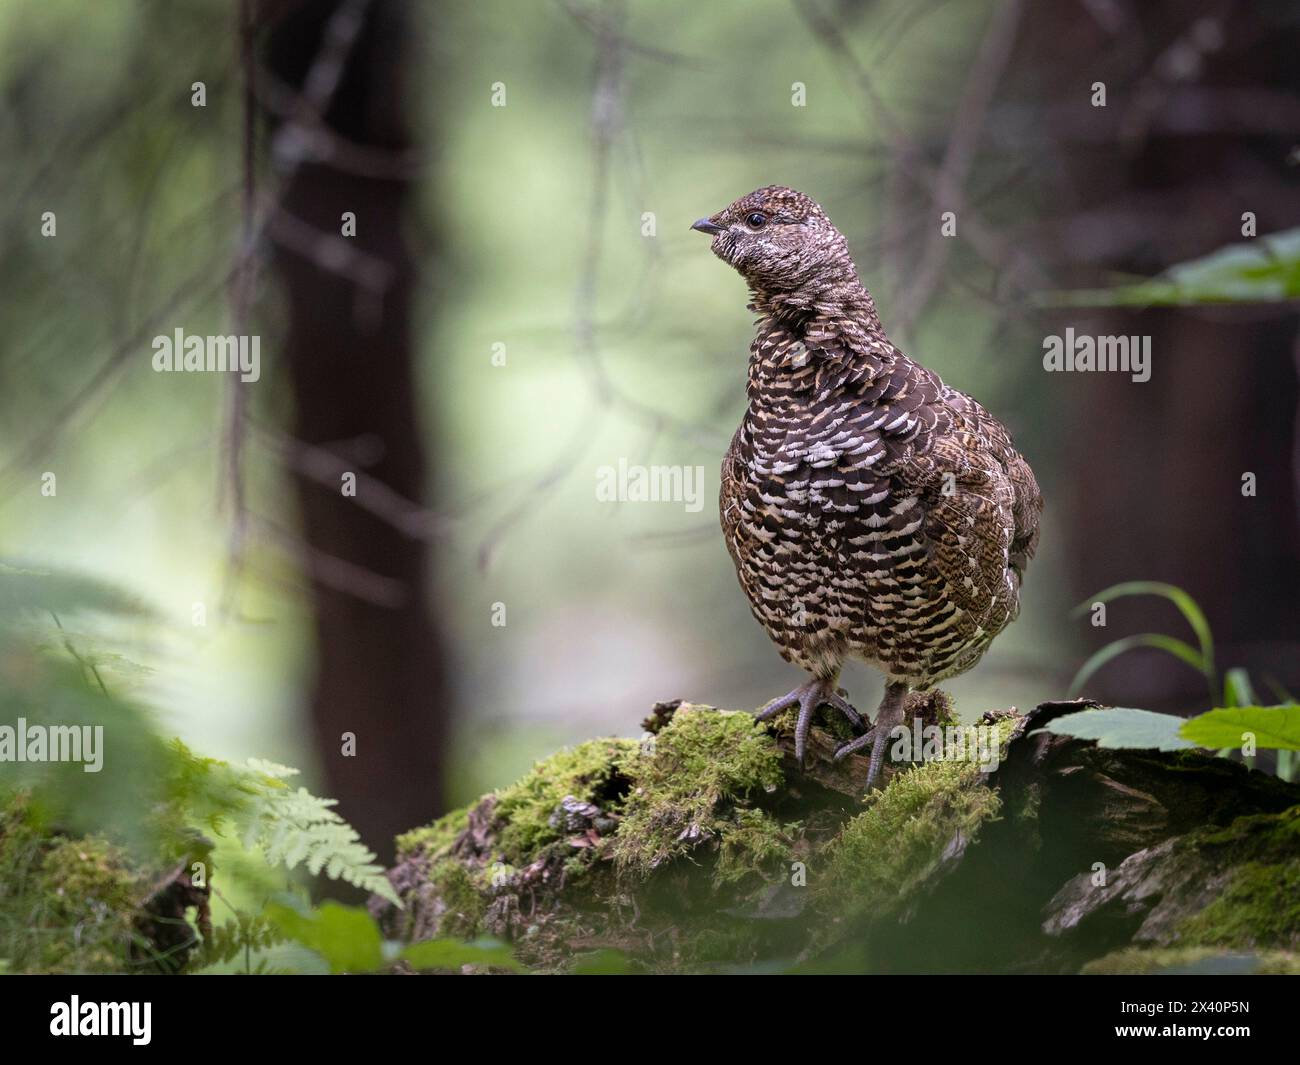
<point>143,807</point>
<point>611,607</point>
<point>1263,270</point>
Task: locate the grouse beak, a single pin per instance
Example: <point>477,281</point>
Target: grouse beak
<point>705,225</point>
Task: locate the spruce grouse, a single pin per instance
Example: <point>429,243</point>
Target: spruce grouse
<point>872,511</point>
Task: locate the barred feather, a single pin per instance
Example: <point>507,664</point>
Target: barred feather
<point>872,512</point>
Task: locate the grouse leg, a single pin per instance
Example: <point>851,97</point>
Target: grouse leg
<point>819,691</point>
<point>888,716</point>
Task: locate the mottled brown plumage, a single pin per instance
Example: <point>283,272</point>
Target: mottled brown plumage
<point>872,511</point>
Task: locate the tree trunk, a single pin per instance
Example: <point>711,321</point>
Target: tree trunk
<point>380,670</point>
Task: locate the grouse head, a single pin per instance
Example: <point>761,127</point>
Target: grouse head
<point>783,244</point>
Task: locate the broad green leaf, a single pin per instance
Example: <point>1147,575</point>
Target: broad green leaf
<point>345,936</point>
<point>453,953</point>
<point>1274,727</point>
<point>1123,727</point>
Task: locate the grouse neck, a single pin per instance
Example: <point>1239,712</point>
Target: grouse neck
<point>819,346</point>
<point>841,309</point>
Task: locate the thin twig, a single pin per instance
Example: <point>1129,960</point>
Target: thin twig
<point>612,46</point>
<point>556,472</point>
<point>200,283</point>
<point>330,571</point>
<point>968,123</point>
<point>598,24</point>
<point>86,665</point>
<point>373,495</point>
<point>245,277</point>
<point>319,86</point>
<point>988,244</point>
<point>332,253</point>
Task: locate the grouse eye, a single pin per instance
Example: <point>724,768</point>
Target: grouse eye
<point>756,220</point>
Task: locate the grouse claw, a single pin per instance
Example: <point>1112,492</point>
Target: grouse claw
<point>808,697</point>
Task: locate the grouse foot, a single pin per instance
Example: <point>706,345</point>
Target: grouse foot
<point>808,697</point>
<point>888,717</point>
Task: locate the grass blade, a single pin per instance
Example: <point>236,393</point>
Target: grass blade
<point>1187,606</point>
<point>1237,689</point>
<point>1184,652</point>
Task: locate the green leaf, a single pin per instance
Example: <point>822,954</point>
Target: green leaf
<point>1263,270</point>
<point>347,937</point>
<point>1123,727</point>
<point>294,827</point>
<point>453,953</point>
<point>1274,727</point>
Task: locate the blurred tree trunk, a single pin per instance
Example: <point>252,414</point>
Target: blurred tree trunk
<point>1202,109</point>
<point>380,670</point>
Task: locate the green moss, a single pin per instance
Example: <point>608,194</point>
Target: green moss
<point>686,790</point>
<point>577,866</point>
<point>901,837</point>
<point>686,787</point>
<point>463,896</point>
<point>1260,905</point>
<point>906,828</point>
<point>66,905</point>
<point>436,839</point>
<point>701,825</point>
<point>751,841</point>
<point>1263,835</point>
<point>591,772</point>
<point>1140,961</point>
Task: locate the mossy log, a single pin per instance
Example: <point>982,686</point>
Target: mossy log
<point>702,846</point>
<point>80,904</point>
